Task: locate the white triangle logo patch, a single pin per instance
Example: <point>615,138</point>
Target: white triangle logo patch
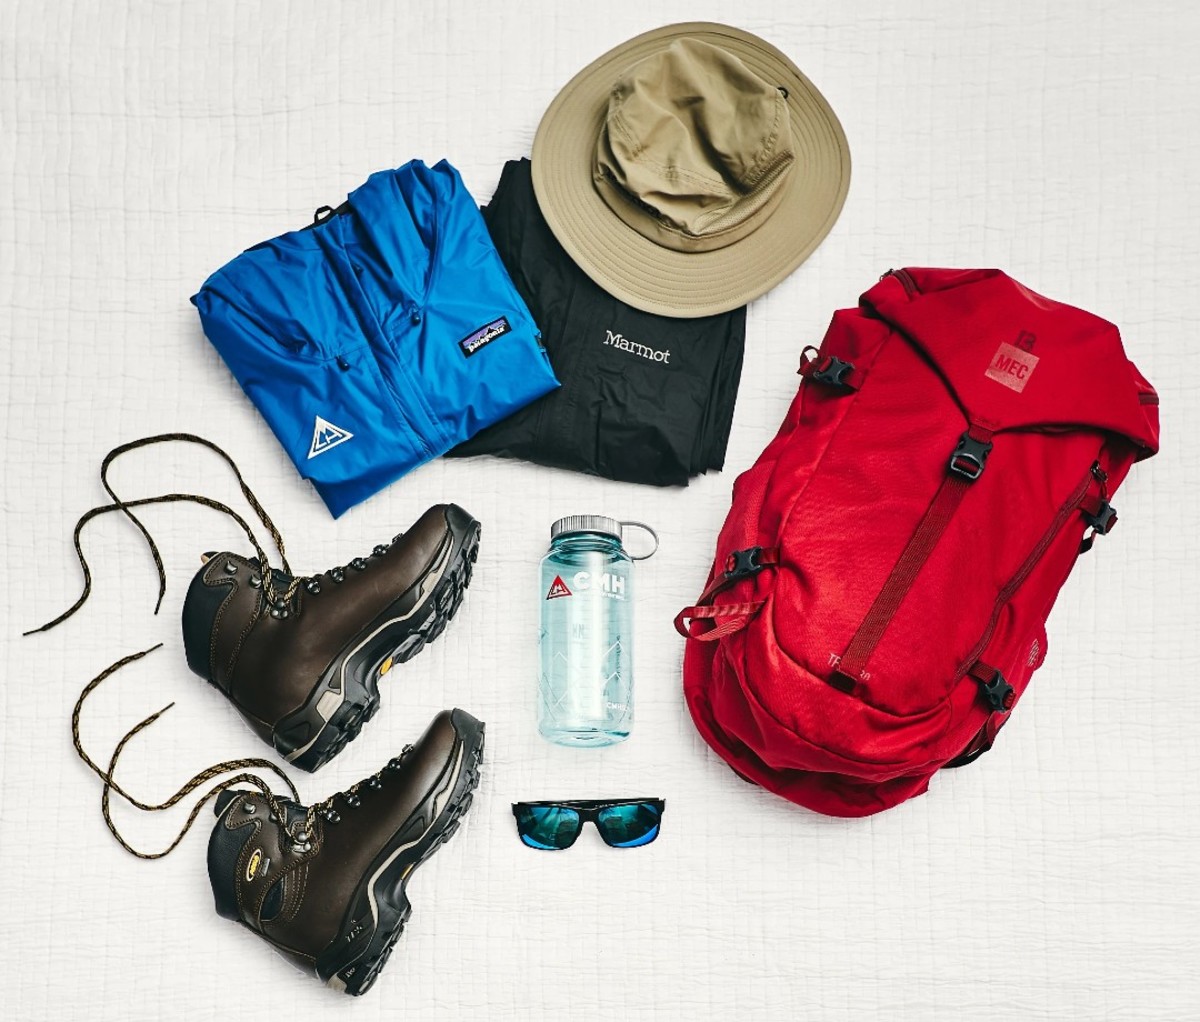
<point>326,436</point>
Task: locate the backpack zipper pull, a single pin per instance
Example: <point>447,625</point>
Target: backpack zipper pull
<point>1099,514</point>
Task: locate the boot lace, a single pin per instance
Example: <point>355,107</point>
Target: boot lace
<point>111,786</point>
<point>301,837</point>
<point>279,601</point>
<point>327,811</point>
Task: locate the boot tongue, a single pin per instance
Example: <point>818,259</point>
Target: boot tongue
<point>224,798</point>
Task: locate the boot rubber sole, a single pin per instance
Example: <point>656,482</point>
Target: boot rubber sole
<point>347,694</point>
<point>380,906</point>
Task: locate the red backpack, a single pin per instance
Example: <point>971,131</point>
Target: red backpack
<point>879,596</point>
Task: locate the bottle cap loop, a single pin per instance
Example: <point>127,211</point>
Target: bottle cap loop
<point>644,526</point>
<point>603,525</point>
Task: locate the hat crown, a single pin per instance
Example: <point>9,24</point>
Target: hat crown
<point>695,147</point>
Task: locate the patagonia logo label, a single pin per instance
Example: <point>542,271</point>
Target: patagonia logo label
<point>484,336</point>
<point>1012,367</point>
<point>326,436</point>
<point>641,350</point>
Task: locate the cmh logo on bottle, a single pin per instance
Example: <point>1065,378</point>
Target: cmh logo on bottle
<point>609,583</point>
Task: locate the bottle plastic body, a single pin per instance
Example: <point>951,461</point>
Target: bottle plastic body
<point>586,684</point>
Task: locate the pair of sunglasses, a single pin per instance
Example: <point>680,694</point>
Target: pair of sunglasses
<point>623,823</point>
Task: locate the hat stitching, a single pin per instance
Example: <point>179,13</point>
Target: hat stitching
<point>760,164</point>
<point>604,172</point>
<point>678,173</point>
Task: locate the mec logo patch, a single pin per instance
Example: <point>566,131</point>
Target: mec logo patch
<point>1012,367</point>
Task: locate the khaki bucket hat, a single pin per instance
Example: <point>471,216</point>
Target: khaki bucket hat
<point>690,169</point>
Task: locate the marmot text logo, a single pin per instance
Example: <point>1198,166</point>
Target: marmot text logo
<point>617,341</point>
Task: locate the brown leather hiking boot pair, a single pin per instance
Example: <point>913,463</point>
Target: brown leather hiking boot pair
<point>301,658</point>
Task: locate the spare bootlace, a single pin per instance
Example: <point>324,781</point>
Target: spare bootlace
<point>278,809</point>
<point>300,837</point>
<point>273,596</point>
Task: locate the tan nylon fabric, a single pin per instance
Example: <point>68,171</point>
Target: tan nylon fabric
<point>696,148</point>
<point>695,280</point>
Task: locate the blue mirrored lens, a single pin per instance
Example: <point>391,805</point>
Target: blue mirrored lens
<point>547,827</point>
<point>629,826</point>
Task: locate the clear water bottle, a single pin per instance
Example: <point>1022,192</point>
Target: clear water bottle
<point>586,685</point>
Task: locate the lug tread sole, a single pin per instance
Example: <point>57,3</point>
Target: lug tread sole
<point>361,975</point>
<point>446,599</point>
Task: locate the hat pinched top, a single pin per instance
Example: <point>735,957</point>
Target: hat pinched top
<point>695,149</point>
<point>690,169</point>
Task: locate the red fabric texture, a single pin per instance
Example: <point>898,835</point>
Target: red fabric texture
<point>840,676</point>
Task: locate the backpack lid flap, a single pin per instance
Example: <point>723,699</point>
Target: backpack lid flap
<point>1016,360</point>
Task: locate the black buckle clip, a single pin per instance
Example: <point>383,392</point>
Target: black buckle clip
<point>998,693</point>
<point>833,373</point>
<point>745,563</point>
<point>1103,520</point>
<point>969,456</point>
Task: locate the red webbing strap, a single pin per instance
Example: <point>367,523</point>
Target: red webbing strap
<point>986,675</point>
<point>739,613</point>
<point>710,610</point>
<point>852,666</point>
<point>982,672</point>
<point>726,627</point>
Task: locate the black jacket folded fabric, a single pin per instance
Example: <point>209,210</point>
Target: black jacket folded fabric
<point>644,398</point>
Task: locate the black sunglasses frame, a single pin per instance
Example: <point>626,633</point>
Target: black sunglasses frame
<point>588,809</point>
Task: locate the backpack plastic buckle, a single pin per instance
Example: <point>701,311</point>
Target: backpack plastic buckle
<point>745,563</point>
<point>833,373</point>
<point>1102,519</point>
<point>998,693</point>
<point>970,456</point>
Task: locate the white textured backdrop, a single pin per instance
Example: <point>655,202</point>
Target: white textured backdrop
<point>144,144</point>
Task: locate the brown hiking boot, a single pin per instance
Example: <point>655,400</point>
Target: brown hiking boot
<point>326,886</point>
<point>301,657</point>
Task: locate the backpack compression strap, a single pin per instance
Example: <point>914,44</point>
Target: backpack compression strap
<point>738,565</point>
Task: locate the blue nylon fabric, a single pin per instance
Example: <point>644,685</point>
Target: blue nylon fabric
<point>361,321</point>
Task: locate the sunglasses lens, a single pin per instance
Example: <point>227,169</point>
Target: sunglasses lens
<point>629,826</point>
<point>549,827</point>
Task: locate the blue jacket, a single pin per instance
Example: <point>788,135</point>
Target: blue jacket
<point>380,337</point>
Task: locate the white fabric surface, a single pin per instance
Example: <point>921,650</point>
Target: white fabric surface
<point>143,144</point>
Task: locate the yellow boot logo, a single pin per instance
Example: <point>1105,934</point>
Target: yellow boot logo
<point>255,864</point>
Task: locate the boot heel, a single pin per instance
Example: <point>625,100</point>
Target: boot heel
<point>356,979</point>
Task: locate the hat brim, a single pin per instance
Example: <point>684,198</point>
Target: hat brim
<point>649,276</point>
